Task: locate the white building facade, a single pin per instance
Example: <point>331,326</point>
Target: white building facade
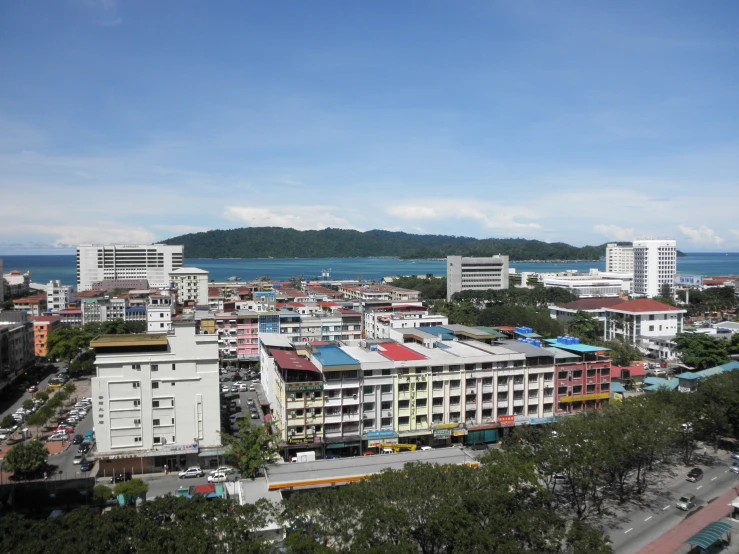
<point>153,262</point>
<point>655,265</point>
<point>156,398</point>
<point>619,259</point>
<point>191,284</point>
<point>379,321</point>
<point>586,286</point>
<point>465,273</point>
<point>159,314</point>
<point>58,296</point>
<point>647,324</point>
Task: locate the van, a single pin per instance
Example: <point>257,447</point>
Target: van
<point>386,451</point>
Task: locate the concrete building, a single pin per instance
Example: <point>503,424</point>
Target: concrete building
<point>58,296</point>
<point>191,284</point>
<point>71,317</point>
<point>156,400</point>
<point>619,259</point>
<point>2,283</point>
<point>475,274</point>
<point>585,286</point>
<point>153,262</point>
<point>647,324</point>
<point>43,326</point>
<point>159,314</point>
<point>237,336</point>
<point>433,389</point>
<point>380,319</point>
<point>16,284</point>
<point>378,293</point>
<point>655,265</point>
<point>31,305</point>
<point>16,346</point>
<point>595,307</point>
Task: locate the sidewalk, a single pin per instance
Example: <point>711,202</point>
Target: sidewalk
<point>674,539</point>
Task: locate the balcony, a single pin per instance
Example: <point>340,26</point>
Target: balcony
<point>487,405</point>
<point>533,384</point>
<point>519,386</point>
<point>350,417</point>
<point>502,403</point>
<point>471,390</point>
<point>516,403</point>
<point>437,409</point>
<point>332,419</point>
<point>471,406</point>
<point>487,388</point>
<point>502,388</point>
<point>336,401</point>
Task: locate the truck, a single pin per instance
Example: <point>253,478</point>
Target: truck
<point>300,457</point>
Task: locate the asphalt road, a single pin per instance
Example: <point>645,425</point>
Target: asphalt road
<point>638,528</point>
<point>17,403</point>
<point>65,468</point>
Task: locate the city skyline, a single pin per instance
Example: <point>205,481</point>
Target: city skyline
<point>132,122</point>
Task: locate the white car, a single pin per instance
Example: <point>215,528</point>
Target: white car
<point>57,437</point>
<point>243,387</point>
<point>225,389</point>
<point>217,478</point>
<point>223,469</point>
<point>251,388</point>
<point>194,471</point>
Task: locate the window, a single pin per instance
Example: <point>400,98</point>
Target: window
<point>403,405</point>
<point>386,372</point>
<point>157,440</point>
<point>420,386</point>
<point>137,402</point>
<point>155,384</point>
<point>651,327</point>
<point>386,406</point>
<point>438,385</point>
<point>386,422</point>
<point>155,422</point>
<point>454,384</point>
<point>421,403</point>
<point>577,374</point>
<point>386,388</point>
<point>136,366</point>
<point>502,381</point>
<point>161,315</point>
<point>174,366</point>
<point>404,387</point>
<point>369,407</point>
<point>369,423</point>
<point>135,384</point>
<point>548,376</point>
<point>368,389</point>
<point>562,375</point>
<point>137,439</point>
<point>533,409</point>
<point>367,373</point>
<point>403,420</point>
<point>155,403</point>
<point>591,373</point>
<point>137,422</point>
<point>154,367</point>
<point>173,383</point>
<point>161,325</point>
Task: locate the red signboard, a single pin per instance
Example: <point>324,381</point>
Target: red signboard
<point>506,420</point>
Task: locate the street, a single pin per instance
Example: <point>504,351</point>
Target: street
<point>634,530</point>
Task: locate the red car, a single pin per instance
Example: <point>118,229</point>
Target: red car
<point>32,389</point>
<point>65,429</point>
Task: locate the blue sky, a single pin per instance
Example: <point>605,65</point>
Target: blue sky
<point>580,122</point>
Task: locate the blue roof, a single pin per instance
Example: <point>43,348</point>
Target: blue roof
<point>654,383</point>
<point>332,355</point>
<point>709,535</point>
<point>442,332</point>
<point>617,387</point>
<point>136,310</point>
<point>528,335</point>
<point>582,348</point>
<point>692,376</point>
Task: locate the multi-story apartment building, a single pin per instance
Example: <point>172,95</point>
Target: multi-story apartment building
<point>156,400</point>
<point>647,324</point>
<point>16,346</point>
<point>2,283</point>
<point>43,326</point>
<point>159,313</point>
<point>191,284</point>
<point>101,309</point>
<point>595,307</point>
<point>58,296</point>
<point>619,259</point>
<point>380,319</point>
<point>31,305</point>
<point>71,317</point>
<point>463,273</point>
<point>585,286</point>
<point>655,265</point>
<point>381,293</point>
<point>153,262</point>
<point>17,284</point>
<point>424,391</point>
<point>238,334</point>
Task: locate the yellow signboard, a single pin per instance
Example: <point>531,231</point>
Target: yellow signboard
<point>584,397</point>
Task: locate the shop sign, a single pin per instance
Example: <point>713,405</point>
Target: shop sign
<point>540,420</point>
<point>299,387</point>
<point>521,420</point>
<point>375,443</point>
<point>299,441</point>
<point>450,430</point>
<point>180,448</point>
<point>380,434</point>
<point>506,420</point>
<point>442,433</point>
<point>585,397</point>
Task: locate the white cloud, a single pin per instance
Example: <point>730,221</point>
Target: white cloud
<point>65,236</point>
<point>734,232</point>
<point>301,218</point>
<point>491,216</point>
<point>702,235</point>
<point>614,232</point>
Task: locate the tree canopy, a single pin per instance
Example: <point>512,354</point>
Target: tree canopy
<point>68,343</point>
<point>431,288</point>
<point>252,449</point>
<point>26,458</point>
<point>702,351</point>
<point>279,242</point>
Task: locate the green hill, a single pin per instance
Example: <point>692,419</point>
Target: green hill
<point>279,242</point>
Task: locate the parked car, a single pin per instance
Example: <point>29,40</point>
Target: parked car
<point>223,469</point>
<point>78,458</point>
<point>87,465</point>
<point>32,389</point>
<point>696,474</point>
<point>57,437</point>
<point>84,448</point>
<point>77,439</point>
<point>120,477</point>
<point>254,415</point>
<point>686,502</point>
<point>243,387</point>
<point>735,455</point>
<point>332,457</point>
<point>225,388</point>
<point>193,471</point>
<point>219,477</point>
<point>251,388</point>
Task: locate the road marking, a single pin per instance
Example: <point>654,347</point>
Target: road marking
<point>663,509</point>
<point>714,478</point>
<point>650,517</point>
<point>628,530</point>
<point>699,488</point>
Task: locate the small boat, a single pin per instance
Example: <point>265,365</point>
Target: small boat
<point>233,278</point>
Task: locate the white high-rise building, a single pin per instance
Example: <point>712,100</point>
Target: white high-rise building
<point>156,399</point>
<point>191,284</point>
<point>58,296</point>
<point>475,274</point>
<point>2,283</point>
<point>655,264</point>
<point>619,259</point>
<point>159,314</point>
<point>153,262</point>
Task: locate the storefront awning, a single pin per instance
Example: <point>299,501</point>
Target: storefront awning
<point>709,535</point>
<point>335,445</point>
<point>215,452</point>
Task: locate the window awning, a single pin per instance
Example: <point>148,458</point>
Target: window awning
<point>708,536</point>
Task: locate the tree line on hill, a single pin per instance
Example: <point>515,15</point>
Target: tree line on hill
<point>279,242</point>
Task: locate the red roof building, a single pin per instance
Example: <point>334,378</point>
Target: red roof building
<point>399,353</point>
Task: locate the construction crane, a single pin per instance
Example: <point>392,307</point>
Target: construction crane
<point>398,447</point>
